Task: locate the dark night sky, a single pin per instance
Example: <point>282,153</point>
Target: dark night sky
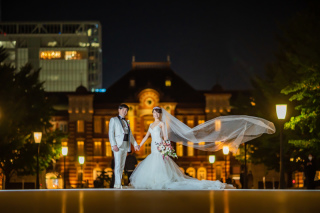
<point>230,39</point>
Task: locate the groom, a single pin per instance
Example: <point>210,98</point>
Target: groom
<point>120,137</point>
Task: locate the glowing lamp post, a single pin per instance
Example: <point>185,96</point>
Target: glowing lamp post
<point>281,113</point>
<point>81,161</point>
<point>212,159</point>
<point>64,153</point>
<point>225,152</point>
<point>37,139</point>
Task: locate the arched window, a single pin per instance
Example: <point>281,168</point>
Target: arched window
<point>96,172</point>
<point>202,173</point>
<point>191,171</point>
<point>218,172</point>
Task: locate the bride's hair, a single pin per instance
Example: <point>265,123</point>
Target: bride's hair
<point>158,110</point>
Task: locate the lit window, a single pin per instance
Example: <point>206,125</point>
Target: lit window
<point>50,55</point>
<point>8,44</point>
<point>191,171</point>
<point>97,148</point>
<point>95,44</point>
<point>108,149</point>
<point>72,55</point>
<point>179,149</point>
<point>168,83</point>
<point>52,43</point>
<point>80,126</point>
<point>132,83</point>
<point>190,122</point>
<point>89,32</point>
<point>200,121</point>
<point>106,127</point>
<point>80,148</point>
<point>97,125</point>
<point>64,142</point>
<point>202,173</point>
<point>190,149</point>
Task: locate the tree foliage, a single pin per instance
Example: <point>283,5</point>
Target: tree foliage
<point>301,45</point>
<point>292,79</point>
<point>24,108</point>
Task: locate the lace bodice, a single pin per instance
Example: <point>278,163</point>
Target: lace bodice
<point>156,137</point>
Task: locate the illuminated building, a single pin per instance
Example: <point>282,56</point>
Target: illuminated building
<point>68,53</point>
<point>146,85</point>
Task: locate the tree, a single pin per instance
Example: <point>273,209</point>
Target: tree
<point>301,46</point>
<point>24,108</point>
<point>296,72</point>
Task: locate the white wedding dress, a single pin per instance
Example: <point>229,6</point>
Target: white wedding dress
<point>154,172</point>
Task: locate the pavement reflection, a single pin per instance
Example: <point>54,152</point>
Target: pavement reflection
<point>129,200</point>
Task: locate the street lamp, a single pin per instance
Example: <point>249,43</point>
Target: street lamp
<point>281,113</point>
<point>64,153</point>
<point>225,152</point>
<point>212,159</point>
<point>81,161</point>
<point>37,139</point>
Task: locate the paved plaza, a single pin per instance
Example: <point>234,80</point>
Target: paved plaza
<point>128,200</point>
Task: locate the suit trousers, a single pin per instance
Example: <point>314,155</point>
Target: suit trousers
<point>119,162</point>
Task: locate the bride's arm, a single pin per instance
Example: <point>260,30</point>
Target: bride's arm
<point>144,139</point>
<point>163,131</point>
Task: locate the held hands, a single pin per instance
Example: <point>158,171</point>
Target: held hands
<point>115,148</point>
<point>137,148</point>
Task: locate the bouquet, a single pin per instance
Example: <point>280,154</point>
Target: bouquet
<point>166,149</point>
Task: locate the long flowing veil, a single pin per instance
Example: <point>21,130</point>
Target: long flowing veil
<point>231,130</point>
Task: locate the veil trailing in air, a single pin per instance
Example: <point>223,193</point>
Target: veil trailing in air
<point>231,130</point>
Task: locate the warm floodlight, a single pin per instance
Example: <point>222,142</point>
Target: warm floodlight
<point>37,137</point>
<point>81,160</point>
<point>281,111</point>
<point>225,150</point>
<point>212,158</point>
<point>64,150</point>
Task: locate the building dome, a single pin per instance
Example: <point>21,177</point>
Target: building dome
<point>81,89</point>
<point>217,88</point>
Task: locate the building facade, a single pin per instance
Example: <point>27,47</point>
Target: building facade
<point>68,53</point>
<point>86,117</point>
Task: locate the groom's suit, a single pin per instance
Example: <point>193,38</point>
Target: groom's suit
<point>120,135</point>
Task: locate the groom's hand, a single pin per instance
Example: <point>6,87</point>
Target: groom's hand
<point>115,148</point>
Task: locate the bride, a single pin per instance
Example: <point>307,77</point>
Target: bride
<point>156,172</point>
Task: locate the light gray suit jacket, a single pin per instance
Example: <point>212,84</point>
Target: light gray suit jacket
<point>116,133</point>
